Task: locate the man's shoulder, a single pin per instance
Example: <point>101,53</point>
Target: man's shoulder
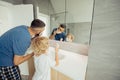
<point>21,26</point>
<point>21,32</point>
<point>63,33</point>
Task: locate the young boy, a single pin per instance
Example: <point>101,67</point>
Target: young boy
<point>42,61</point>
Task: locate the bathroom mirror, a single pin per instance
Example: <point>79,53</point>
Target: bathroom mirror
<point>76,15</point>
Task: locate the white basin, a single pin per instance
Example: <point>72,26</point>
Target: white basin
<point>61,56</point>
<point>51,52</point>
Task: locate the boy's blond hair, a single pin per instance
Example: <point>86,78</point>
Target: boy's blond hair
<point>72,37</point>
<point>40,45</point>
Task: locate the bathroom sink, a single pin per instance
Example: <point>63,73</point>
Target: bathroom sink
<point>61,56</point>
<point>52,54</point>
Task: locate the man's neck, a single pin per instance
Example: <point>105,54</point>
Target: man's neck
<point>30,31</point>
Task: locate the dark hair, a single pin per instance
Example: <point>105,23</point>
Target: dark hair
<point>37,23</point>
<point>35,36</point>
<point>63,25</point>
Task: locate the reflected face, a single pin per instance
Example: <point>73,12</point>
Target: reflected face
<point>69,36</point>
<point>61,29</point>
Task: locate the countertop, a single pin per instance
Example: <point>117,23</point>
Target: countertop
<point>71,64</point>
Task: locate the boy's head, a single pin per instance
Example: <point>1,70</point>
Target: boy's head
<point>40,45</point>
<point>70,36</point>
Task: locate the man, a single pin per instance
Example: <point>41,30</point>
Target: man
<point>13,45</point>
<point>58,33</point>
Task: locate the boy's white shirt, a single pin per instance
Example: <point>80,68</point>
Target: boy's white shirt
<point>29,50</point>
<point>43,65</point>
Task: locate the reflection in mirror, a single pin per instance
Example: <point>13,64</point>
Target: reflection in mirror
<point>57,21</point>
<point>76,15</point>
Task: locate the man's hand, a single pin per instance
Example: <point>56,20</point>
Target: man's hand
<point>20,59</point>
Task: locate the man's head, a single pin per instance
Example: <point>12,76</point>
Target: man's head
<point>37,26</point>
<point>62,27</point>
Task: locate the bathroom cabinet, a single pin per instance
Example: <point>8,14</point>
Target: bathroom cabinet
<point>56,75</point>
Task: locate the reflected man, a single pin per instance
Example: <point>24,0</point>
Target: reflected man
<point>58,33</point>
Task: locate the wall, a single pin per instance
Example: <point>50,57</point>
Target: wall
<point>104,55</point>
<point>81,31</point>
<point>45,6</point>
<point>5,17</point>
<point>58,5</point>
<point>22,14</point>
<point>46,20</point>
<point>14,1</point>
<point>76,10</point>
<point>79,11</point>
